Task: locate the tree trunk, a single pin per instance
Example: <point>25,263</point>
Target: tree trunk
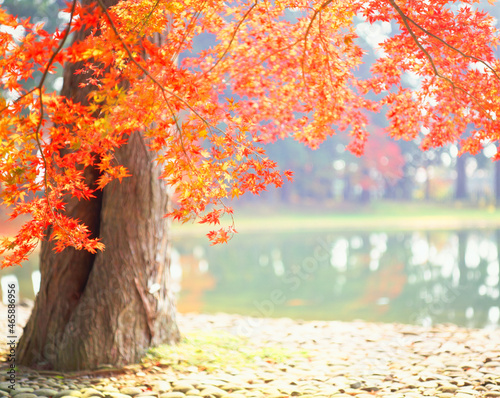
<point>347,190</point>
<point>127,298</point>
<point>110,307</point>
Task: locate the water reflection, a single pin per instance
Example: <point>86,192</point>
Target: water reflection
<point>424,277</point>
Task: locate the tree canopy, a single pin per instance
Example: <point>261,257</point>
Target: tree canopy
<point>283,68</point>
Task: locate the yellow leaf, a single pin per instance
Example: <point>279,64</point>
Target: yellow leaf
<point>33,119</point>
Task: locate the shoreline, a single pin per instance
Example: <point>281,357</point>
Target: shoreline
<point>337,359</point>
<point>342,225</point>
<point>385,220</point>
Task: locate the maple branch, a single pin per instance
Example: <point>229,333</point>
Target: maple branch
<point>39,87</point>
<point>308,29</point>
<point>157,83</point>
<point>173,94</point>
<point>233,36</point>
<point>164,92</point>
<point>328,53</point>
<point>405,20</point>
<point>181,138</point>
<point>447,44</point>
<point>144,70</point>
<point>18,99</point>
<point>145,20</point>
<point>191,26</point>
<point>287,47</point>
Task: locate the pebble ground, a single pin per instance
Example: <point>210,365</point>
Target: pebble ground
<point>343,360</point>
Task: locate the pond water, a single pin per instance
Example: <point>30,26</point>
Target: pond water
<point>425,277</point>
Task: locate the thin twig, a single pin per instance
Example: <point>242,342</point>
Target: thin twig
<point>145,20</point>
<point>233,36</point>
<point>18,99</point>
<point>181,138</point>
<point>306,34</point>
<point>190,28</point>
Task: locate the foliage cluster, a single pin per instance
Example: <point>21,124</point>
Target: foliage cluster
<point>289,77</point>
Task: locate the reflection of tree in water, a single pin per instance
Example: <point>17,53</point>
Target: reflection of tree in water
<point>389,280</point>
<point>196,280</point>
<point>459,291</point>
<point>462,246</point>
<point>479,288</point>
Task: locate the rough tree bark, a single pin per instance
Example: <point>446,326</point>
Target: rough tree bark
<point>110,307</point>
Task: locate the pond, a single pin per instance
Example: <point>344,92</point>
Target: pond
<point>424,277</point>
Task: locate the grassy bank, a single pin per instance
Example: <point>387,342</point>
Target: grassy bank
<point>213,350</point>
<point>376,216</point>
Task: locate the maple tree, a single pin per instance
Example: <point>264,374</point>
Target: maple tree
<point>287,75</point>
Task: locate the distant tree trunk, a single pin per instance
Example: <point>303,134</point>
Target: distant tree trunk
<point>365,195</point>
<point>497,238</point>
<point>347,191</point>
<point>427,184</point>
<point>461,182</point>
<point>110,307</point>
<point>285,192</point>
<point>497,182</point>
<point>406,184</point>
<point>389,190</point>
<point>427,192</point>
